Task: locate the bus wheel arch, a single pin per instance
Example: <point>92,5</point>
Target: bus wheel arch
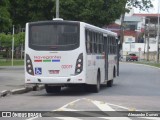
<point>110,82</point>
<point>95,88</point>
<point>98,80</point>
<point>99,77</point>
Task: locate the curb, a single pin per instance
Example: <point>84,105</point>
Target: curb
<point>21,90</point>
<point>143,65</point>
<point>5,93</point>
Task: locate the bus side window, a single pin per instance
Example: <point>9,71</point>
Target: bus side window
<point>101,44</point>
<point>93,39</point>
<point>98,42</point>
<point>90,42</point>
<point>109,45</point>
<point>95,42</point>
<point>87,41</point>
<point>115,50</point>
<point>112,45</point>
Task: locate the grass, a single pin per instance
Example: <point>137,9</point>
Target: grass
<point>151,63</point>
<point>4,62</point>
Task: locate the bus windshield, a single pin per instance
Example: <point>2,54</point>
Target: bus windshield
<point>54,36</point>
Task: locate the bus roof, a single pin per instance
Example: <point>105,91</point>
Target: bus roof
<point>89,26</point>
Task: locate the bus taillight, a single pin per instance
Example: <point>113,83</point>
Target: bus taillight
<point>29,66</point>
<point>79,64</point>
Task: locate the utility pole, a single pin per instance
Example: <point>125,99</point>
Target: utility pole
<point>13,45</point>
<point>158,34</point>
<point>145,39</point>
<point>148,39</point>
<point>57,8</point>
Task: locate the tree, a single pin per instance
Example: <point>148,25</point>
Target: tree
<point>91,11</point>
<point>6,43</point>
<point>141,4</point>
<point>5,21</point>
<point>95,12</point>
<point>23,11</point>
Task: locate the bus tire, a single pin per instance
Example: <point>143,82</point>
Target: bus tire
<point>110,83</point>
<point>52,89</point>
<point>96,88</point>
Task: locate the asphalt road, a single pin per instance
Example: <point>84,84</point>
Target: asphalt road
<point>11,77</point>
<point>137,88</point>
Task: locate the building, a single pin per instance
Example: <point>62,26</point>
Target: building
<point>140,33</point>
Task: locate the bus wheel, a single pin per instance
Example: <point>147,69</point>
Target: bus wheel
<point>96,88</point>
<point>110,83</point>
<point>52,89</point>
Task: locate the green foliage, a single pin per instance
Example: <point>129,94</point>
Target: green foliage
<point>95,12</point>
<point>19,39</point>
<point>23,11</point>
<point>6,44</point>
<point>141,4</point>
<point>5,21</point>
<point>9,62</point>
<point>91,11</point>
<point>6,40</point>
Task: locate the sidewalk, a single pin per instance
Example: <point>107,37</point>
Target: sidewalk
<point>12,80</point>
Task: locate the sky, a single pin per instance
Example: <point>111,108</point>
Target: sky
<point>151,10</point>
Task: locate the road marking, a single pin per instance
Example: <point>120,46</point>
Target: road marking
<point>67,118</point>
<point>118,106</point>
<point>65,109</point>
<point>102,102</point>
<point>32,118</point>
<point>69,104</point>
<point>115,118</point>
<point>61,108</point>
<point>103,106</point>
<point>150,118</point>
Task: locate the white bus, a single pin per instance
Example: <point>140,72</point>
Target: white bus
<point>62,53</point>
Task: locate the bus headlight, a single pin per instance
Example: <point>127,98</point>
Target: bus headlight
<point>79,64</point>
<point>29,66</point>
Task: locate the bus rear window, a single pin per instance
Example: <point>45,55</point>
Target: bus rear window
<point>54,36</point>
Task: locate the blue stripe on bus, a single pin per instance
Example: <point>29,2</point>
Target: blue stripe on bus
<point>55,60</point>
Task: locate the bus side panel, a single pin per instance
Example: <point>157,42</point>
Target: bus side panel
<point>112,63</point>
<point>91,70</point>
<point>110,66</point>
<point>100,64</point>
